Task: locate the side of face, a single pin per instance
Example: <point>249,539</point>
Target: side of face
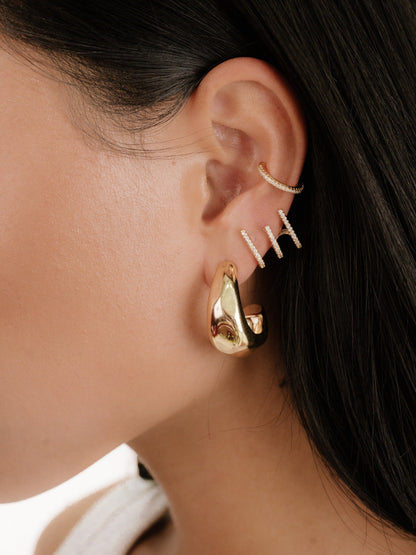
<point>106,259</point>
<point>93,288</point>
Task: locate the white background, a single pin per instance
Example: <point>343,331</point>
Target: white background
<point>22,523</point>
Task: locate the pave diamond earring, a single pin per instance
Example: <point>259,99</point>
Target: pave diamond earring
<point>287,230</point>
<point>278,184</point>
<point>253,249</point>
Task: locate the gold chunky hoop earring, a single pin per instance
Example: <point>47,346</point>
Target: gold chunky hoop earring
<point>278,184</point>
<point>232,329</point>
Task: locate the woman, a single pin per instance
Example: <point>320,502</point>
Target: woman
<point>152,153</point>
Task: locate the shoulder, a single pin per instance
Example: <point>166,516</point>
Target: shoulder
<point>60,526</point>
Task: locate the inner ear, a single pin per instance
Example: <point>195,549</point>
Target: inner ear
<point>227,181</point>
<point>224,184</point>
<point>235,141</point>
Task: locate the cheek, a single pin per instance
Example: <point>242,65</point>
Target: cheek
<point>99,288</point>
<point>85,273</point>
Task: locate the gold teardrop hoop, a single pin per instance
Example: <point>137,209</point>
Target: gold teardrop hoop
<point>232,329</point>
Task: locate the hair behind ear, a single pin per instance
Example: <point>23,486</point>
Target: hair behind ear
<point>348,305</point>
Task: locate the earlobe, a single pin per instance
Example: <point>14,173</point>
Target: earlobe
<point>255,119</point>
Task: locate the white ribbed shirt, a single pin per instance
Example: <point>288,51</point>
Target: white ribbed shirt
<point>117,520</point>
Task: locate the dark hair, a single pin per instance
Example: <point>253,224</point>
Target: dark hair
<point>348,300</point>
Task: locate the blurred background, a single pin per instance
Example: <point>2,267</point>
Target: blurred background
<point>22,523</point>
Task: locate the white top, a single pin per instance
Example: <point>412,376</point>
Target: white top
<point>116,521</point>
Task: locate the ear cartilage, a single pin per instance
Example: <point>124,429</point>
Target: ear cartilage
<point>278,184</point>
<point>273,241</point>
<point>289,229</point>
<point>253,249</point>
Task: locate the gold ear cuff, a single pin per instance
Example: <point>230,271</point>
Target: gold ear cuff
<point>278,184</point>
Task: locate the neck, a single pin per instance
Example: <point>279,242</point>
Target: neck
<point>241,477</point>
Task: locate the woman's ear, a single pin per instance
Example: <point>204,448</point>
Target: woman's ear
<point>255,118</point>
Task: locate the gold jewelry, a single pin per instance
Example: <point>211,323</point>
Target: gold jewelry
<point>288,188</point>
<point>275,244</point>
<point>232,329</point>
<point>285,231</point>
<point>253,249</point>
<point>289,230</point>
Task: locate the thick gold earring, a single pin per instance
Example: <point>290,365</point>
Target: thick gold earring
<point>232,329</point>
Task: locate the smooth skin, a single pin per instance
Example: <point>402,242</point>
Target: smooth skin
<point>105,266</point>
